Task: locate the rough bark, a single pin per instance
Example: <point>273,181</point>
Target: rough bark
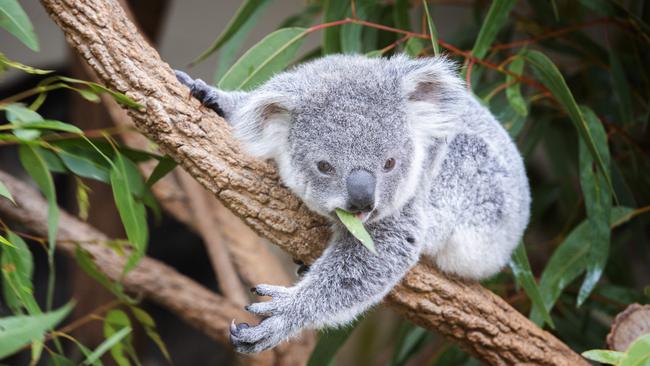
<point>208,312</point>
<point>201,142</point>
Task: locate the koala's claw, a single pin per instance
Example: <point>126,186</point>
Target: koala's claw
<point>270,290</point>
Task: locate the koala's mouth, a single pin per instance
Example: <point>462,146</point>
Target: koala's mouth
<point>363,216</point>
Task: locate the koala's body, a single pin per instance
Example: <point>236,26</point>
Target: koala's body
<point>403,145</point>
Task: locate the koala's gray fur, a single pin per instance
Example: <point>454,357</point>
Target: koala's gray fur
<point>457,194</point>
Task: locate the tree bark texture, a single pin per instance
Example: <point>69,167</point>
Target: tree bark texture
<point>201,142</point>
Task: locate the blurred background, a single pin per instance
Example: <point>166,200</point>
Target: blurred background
<point>601,49</point>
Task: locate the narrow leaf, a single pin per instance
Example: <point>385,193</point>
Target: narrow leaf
<point>132,212</point>
<point>107,345</point>
<point>18,66</point>
<point>356,228</point>
<point>150,328</point>
<point>413,47</point>
<point>269,56</point>
<point>17,270</point>
<point>114,321</point>
<point>496,17</point>
<point>408,343</point>
<point>524,275</point>
<point>44,125</point>
<point>165,165</point>
<point>14,19</point>
<point>4,192</point>
<point>513,91</point>
<point>18,331</point>
<point>19,114</point>
<point>433,32</point>
<point>604,356</point>
<point>247,10</point>
<point>333,10</point>
<point>551,77</point>
<point>33,161</point>
<point>598,202</point>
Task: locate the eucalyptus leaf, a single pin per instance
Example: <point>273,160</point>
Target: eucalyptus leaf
<point>14,19</point>
<point>433,32</point>
<point>106,345</point>
<point>356,228</point>
<point>249,9</point>
<point>604,356</point>
<point>17,271</point>
<point>22,67</point>
<point>132,212</point>
<point>4,192</point>
<point>551,77</point>
<point>18,331</point>
<point>520,267</point>
<point>513,91</point>
<point>333,10</point>
<point>269,56</point>
<point>496,18</point>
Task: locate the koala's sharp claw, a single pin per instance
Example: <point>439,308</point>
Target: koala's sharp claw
<point>233,327</point>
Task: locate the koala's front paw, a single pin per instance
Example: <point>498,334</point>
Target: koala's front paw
<point>278,325</point>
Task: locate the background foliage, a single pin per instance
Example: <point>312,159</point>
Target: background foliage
<point>567,79</point>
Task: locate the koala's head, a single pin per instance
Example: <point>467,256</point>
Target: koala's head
<point>348,131</point>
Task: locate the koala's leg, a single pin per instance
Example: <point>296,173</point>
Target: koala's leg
<point>345,281</point>
<point>222,102</point>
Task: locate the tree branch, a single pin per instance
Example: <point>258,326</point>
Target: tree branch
<point>201,142</point>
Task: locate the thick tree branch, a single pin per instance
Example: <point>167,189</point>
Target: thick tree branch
<point>201,142</point>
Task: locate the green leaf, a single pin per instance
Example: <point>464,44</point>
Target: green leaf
<point>98,88</point>
<point>551,77</point>
<point>33,161</point>
<point>638,354</point>
<point>114,321</point>
<point>598,202</point>
<point>17,270</point>
<point>165,165</point>
<point>433,32</point>
<point>83,202</point>
<point>16,22</point>
<point>333,10</point>
<point>125,187</point>
<point>85,262</point>
<point>84,166</point>
<point>6,242</point>
<point>351,34</point>
<point>150,328</point>
<point>246,11</point>
<point>513,91</point>
<point>44,124</point>
<point>18,331</point>
<point>604,356</point>
<point>568,262</point>
<point>269,56</point>
<point>413,47</point>
<point>4,192</point>
<point>520,267</point>
<point>356,228</point>
<point>231,48</point>
<point>18,66</point>
<point>328,344</point>
<point>401,14</point>
<point>409,341</point>
<point>496,17</point>
<point>107,345</point>
<point>19,114</point>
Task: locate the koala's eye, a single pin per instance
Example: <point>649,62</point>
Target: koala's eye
<point>389,165</point>
<point>325,167</point>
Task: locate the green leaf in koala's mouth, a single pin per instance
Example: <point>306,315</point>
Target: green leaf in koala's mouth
<point>356,228</point>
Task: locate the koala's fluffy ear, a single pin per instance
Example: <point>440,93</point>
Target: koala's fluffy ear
<point>434,93</point>
<point>262,124</point>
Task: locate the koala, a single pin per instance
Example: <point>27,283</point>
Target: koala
<point>404,146</point>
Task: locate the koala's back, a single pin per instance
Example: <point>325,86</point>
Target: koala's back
<point>478,203</point>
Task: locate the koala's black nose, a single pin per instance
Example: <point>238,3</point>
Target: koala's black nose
<point>361,191</point>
